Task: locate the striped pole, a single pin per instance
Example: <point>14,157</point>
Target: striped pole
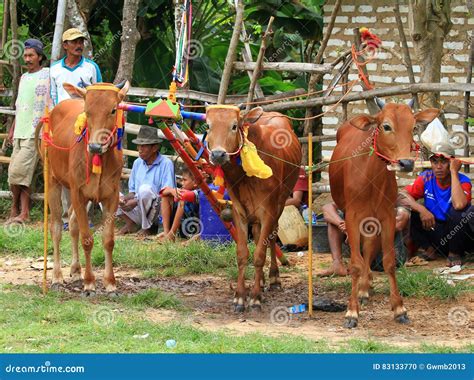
<point>310,225</point>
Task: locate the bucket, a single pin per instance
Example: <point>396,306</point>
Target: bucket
<point>212,227</point>
<point>320,239</point>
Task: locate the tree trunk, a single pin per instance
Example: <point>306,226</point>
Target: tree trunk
<point>429,22</point>
<point>76,19</point>
<point>231,53</point>
<point>16,58</point>
<point>58,30</point>
<point>129,39</point>
<point>310,125</point>
<point>6,18</point>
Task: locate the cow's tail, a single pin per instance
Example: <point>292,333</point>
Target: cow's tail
<point>38,129</point>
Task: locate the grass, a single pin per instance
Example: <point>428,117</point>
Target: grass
<point>153,298</point>
<point>424,283</point>
<point>57,323</point>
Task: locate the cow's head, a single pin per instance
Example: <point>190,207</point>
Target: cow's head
<point>100,106</point>
<point>225,135</point>
<point>392,137</point>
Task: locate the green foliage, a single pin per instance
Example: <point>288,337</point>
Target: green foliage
<point>153,298</point>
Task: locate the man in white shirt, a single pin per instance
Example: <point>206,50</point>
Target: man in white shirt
<point>73,68</point>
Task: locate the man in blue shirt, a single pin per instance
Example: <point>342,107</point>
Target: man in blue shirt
<point>443,225</point>
<point>151,173</point>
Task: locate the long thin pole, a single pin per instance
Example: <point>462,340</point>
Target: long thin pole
<point>310,225</point>
<point>45,218</point>
<point>58,30</point>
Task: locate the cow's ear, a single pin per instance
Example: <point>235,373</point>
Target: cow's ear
<point>123,92</point>
<point>426,116</point>
<point>74,91</point>
<point>253,115</point>
<point>363,122</point>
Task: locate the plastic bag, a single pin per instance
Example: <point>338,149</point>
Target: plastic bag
<point>434,133</point>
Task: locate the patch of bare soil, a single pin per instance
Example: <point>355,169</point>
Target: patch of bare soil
<point>209,298</point>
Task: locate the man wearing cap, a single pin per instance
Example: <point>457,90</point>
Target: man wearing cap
<point>151,173</point>
<point>77,70</point>
<point>33,97</point>
<point>443,224</point>
<point>73,68</point>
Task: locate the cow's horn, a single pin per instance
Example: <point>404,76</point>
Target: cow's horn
<point>411,103</point>
<point>379,102</point>
<point>241,106</point>
<point>121,84</point>
<point>83,84</point>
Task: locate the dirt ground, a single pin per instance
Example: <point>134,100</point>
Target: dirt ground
<point>209,299</point>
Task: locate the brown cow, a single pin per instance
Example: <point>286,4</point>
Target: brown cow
<point>365,188</point>
<point>257,202</point>
<point>69,168</point>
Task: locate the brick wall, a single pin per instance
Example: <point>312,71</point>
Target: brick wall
<point>387,69</point>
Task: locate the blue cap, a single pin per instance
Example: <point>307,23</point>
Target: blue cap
<point>33,43</point>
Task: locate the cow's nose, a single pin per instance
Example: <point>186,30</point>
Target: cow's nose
<point>407,165</point>
<point>219,156</point>
<point>95,148</point>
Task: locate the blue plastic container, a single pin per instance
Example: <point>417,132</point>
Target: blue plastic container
<point>213,228</point>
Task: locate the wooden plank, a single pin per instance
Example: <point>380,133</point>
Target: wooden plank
<point>7,111</point>
<point>286,66</point>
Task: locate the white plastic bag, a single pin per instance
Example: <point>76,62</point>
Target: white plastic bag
<point>434,133</point>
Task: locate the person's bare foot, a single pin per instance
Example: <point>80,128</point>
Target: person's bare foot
<point>335,270</point>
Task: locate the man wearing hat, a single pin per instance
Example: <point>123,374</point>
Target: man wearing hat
<point>443,224</point>
<point>33,97</point>
<point>73,68</point>
<point>151,173</point>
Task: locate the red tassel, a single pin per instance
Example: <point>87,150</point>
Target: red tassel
<point>96,164</point>
<point>218,176</point>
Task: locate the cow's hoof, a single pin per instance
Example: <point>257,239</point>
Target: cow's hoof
<point>403,319</point>
<point>88,293</point>
<point>350,323</point>
<point>56,287</point>
<point>364,300</point>
<point>255,305</point>
<point>239,308</point>
<point>112,294</point>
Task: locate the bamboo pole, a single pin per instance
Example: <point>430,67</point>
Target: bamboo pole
<point>45,223</point>
<point>362,95</point>
<point>258,65</point>
<point>58,30</point>
<point>310,226</point>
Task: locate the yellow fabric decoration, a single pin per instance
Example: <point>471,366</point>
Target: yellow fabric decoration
<point>252,164</point>
<point>80,123</point>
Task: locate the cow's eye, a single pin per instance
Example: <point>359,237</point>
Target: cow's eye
<point>113,111</point>
<point>234,127</point>
<point>387,128</point>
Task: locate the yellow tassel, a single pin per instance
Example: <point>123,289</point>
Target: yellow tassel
<point>217,194</point>
<point>80,123</point>
<point>252,164</point>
